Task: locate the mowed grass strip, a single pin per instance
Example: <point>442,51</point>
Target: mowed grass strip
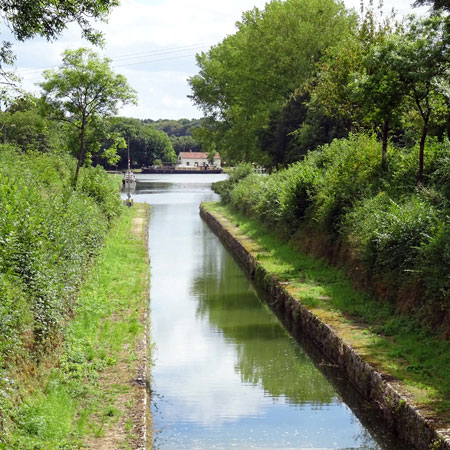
<point>86,400</point>
<point>394,344</point>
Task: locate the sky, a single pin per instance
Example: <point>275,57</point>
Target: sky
<point>153,43</point>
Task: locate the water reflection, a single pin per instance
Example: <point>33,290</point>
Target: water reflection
<point>226,373</point>
<point>265,354</point>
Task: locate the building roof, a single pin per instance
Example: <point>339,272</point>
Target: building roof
<point>196,155</point>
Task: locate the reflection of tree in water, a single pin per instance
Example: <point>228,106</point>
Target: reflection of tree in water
<point>365,440</point>
<point>266,353</point>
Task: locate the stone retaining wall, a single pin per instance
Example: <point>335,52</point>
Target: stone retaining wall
<point>406,420</point>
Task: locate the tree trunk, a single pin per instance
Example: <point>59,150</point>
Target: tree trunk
<point>384,144</point>
<point>422,149</point>
<point>80,153</point>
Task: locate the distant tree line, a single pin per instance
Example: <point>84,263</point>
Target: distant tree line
<point>181,133</point>
<point>33,124</point>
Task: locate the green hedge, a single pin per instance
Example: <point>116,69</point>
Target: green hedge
<point>48,233</point>
<point>400,232</point>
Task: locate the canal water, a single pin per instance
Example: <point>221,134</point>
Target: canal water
<point>226,374</point>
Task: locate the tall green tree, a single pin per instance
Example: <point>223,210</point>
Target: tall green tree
<point>299,126</point>
<point>253,72</point>
<point>83,90</point>
<point>421,58</point>
<point>355,82</point>
<point>380,91</point>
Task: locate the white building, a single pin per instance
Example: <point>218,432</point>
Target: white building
<point>197,159</point>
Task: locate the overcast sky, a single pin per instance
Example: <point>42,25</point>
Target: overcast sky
<point>153,43</point>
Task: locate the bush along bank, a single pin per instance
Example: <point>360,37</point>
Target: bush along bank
<point>48,236</point>
<point>339,202</point>
<point>390,234</point>
<point>96,394</point>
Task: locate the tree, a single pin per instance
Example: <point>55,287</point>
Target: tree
<point>355,80</point>
<point>299,126</point>
<point>25,126</point>
<point>185,143</point>
<point>83,90</point>
<point>47,18</point>
<point>421,57</point>
<point>147,144</point>
<point>380,90</point>
<point>437,5</point>
<point>251,73</point>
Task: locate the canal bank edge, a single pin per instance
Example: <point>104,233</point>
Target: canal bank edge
<point>405,419</point>
<point>142,417</point>
<point>130,377</point>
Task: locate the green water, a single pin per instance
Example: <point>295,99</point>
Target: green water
<point>227,375</point>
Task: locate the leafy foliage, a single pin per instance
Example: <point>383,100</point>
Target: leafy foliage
<point>147,144</point>
<point>44,18</point>
<point>251,73</point>
<point>238,173</point>
<point>437,5</point>
<point>48,233</point>
<point>82,91</point>
<point>180,132</point>
<point>28,18</point>
<point>24,125</point>
<point>396,231</point>
<point>300,125</point>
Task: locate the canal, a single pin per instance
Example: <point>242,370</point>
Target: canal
<point>226,374</point>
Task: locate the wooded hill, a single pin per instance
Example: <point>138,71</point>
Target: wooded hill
<point>181,133</point>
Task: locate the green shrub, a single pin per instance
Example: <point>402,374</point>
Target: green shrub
<point>278,199</point>
<point>97,184</point>
<point>48,233</point>
<point>351,171</point>
<point>389,235</point>
<point>298,192</point>
<point>404,165</point>
<point>14,316</point>
<point>224,187</point>
<point>400,231</point>
<point>439,177</point>
<point>434,264</point>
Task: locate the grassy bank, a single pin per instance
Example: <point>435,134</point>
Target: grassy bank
<point>88,398</point>
<point>415,358</point>
<point>391,233</point>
